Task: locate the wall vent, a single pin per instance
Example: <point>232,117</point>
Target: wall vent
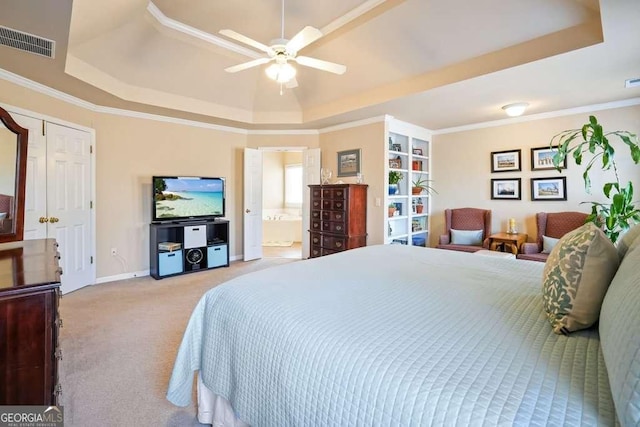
<point>27,42</point>
<point>632,82</point>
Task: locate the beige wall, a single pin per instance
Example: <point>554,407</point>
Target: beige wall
<point>370,140</point>
<point>461,169</point>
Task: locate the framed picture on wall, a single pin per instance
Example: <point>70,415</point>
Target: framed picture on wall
<point>505,189</point>
<point>349,162</point>
<point>505,161</point>
<point>549,188</point>
<point>542,158</point>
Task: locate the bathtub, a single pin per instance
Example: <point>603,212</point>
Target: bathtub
<point>281,228</point>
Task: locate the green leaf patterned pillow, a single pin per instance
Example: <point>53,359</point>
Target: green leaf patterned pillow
<point>576,277</point>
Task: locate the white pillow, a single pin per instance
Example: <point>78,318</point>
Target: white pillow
<point>466,237</point>
<point>548,243</point>
<point>626,239</point>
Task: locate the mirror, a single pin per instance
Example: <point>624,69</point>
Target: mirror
<point>13,170</point>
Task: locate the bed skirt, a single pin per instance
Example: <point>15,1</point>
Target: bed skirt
<point>215,410</point>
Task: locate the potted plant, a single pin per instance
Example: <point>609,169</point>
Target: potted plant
<point>620,213</point>
<point>392,209</point>
<point>419,206</point>
<point>394,178</point>
<point>421,184</point>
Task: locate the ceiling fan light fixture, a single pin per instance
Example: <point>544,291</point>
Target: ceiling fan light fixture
<point>515,109</point>
<point>282,73</point>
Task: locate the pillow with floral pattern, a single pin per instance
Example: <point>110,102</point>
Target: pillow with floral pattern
<point>576,276</point>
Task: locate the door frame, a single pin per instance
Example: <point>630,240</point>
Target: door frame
<point>92,133</point>
<point>298,149</point>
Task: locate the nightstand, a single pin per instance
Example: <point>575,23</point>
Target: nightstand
<point>508,241</point>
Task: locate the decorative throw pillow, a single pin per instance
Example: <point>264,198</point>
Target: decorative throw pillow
<point>627,239</point>
<point>548,243</point>
<point>576,277</point>
<point>466,237</point>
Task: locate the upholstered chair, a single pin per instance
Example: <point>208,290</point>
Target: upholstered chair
<point>6,211</point>
<point>466,222</point>
<point>551,227</point>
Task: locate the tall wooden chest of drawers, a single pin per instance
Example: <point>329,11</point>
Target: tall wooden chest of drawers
<point>338,218</point>
<point>29,321</point>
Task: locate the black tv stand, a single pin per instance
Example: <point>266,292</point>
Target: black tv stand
<point>179,247</point>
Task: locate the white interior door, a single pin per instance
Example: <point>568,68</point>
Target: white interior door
<point>310,176</point>
<point>68,203</point>
<point>252,204</point>
<point>35,202</point>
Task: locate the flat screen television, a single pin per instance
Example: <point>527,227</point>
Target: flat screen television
<point>183,198</point>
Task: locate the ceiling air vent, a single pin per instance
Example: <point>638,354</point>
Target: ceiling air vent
<point>27,42</point>
<point>632,83</point>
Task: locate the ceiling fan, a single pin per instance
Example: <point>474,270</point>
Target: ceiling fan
<point>282,52</point>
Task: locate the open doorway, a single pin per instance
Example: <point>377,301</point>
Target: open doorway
<point>282,203</point>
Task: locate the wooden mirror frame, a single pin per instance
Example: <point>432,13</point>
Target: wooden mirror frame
<point>22,136</point>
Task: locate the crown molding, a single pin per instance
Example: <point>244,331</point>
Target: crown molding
<point>54,93</point>
<point>356,123</point>
<point>199,34</point>
<point>541,116</point>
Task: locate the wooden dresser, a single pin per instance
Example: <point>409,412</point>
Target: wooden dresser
<point>29,321</point>
<point>338,218</point>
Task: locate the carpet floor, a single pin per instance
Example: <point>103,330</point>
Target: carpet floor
<point>119,342</point>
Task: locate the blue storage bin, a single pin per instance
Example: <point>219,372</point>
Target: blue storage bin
<point>216,256</point>
<point>169,263</point>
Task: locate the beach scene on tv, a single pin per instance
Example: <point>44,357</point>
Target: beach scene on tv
<point>188,197</point>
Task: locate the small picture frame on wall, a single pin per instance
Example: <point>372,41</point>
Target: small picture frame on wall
<point>506,161</point>
<point>349,162</point>
<point>549,188</point>
<point>505,189</point>
<point>542,158</point>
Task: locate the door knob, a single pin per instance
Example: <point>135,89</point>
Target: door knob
<point>43,219</point>
<point>248,211</point>
<point>53,219</point>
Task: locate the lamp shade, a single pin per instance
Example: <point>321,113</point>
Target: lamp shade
<point>281,73</point>
<point>516,109</point>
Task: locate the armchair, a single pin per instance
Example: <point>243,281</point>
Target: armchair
<point>466,219</point>
<point>6,210</point>
<point>554,225</point>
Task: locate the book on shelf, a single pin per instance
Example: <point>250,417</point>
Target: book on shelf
<point>169,246</point>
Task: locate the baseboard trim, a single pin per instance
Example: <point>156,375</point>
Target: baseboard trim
<point>124,276</point>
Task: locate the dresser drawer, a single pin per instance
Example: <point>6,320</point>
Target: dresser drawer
<point>333,216</point>
<point>317,214</point>
<point>333,193</point>
<point>336,205</point>
<point>316,204</point>
<point>334,227</point>
<point>316,225</point>
<point>334,243</point>
<point>316,193</point>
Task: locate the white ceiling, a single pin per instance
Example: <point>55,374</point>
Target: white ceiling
<point>435,63</point>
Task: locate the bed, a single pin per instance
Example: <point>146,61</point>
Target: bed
<point>399,335</point>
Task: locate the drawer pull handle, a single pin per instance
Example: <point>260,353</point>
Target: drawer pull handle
<point>315,240</point>
<point>338,245</point>
<point>339,216</point>
<point>339,228</point>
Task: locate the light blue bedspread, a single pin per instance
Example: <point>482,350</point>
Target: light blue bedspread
<point>392,336</point>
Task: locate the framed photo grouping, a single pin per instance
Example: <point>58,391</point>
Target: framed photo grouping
<point>549,188</point>
<point>349,162</point>
<point>506,161</point>
<point>506,189</point>
<point>542,158</point>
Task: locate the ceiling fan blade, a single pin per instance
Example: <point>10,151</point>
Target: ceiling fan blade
<point>293,83</point>
<point>246,65</point>
<point>321,65</point>
<point>305,37</point>
<point>246,40</point>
